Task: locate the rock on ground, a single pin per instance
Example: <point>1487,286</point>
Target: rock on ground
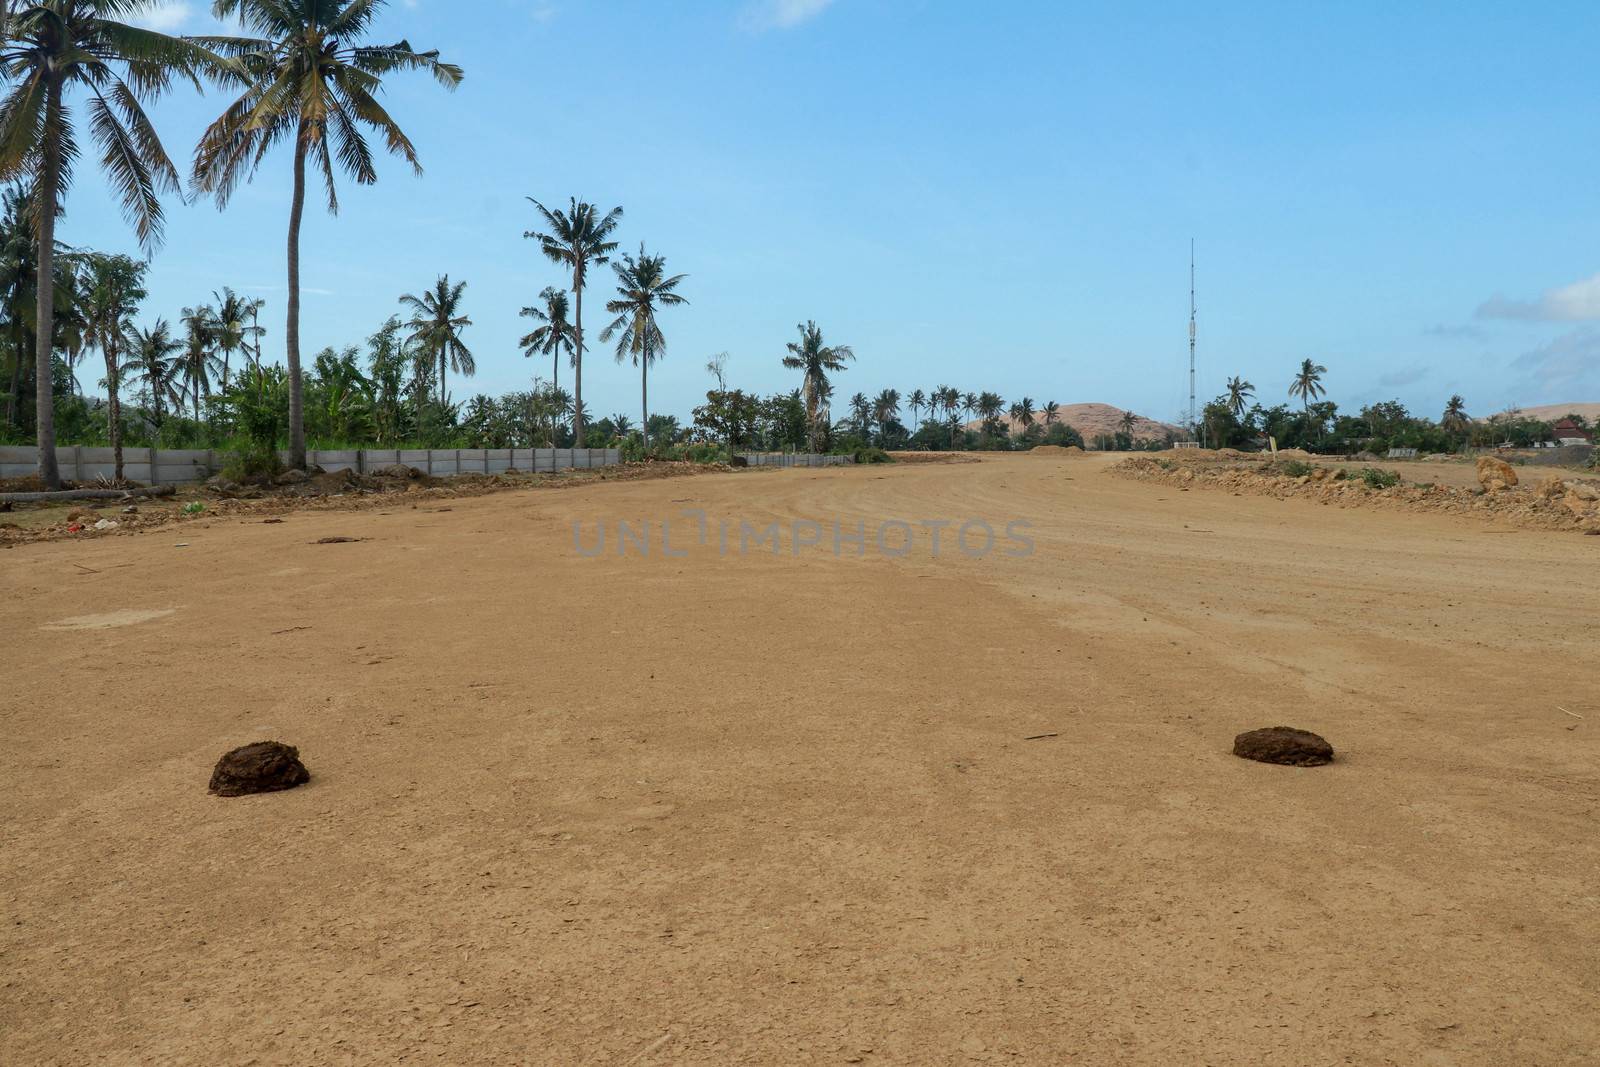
<point>1491,470</point>
<point>260,767</point>
<point>1285,745</point>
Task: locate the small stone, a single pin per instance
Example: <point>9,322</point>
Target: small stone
<point>260,767</point>
<point>1285,745</point>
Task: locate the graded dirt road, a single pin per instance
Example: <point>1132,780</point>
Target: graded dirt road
<point>781,809</point>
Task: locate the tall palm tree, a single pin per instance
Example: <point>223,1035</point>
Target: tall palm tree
<point>861,414</point>
<point>951,397</point>
<point>885,409</point>
<point>436,325</point>
<point>115,288</point>
<point>555,336</point>
<point>19,274</point>
<point>1126,423</point>
<point>989,408</point>
<point>815,361</point>
<point>1022,413</point>
<point>1307,385</point>
<point>306,78</point>
<point>200,337</point>
<point>151,358</point>
<point>643,287</point>
<point>917,401</point>
<point>235,326</point>
<point>577,238</point>
<point>1240,392</point>
<point>52,47</point>
<point>1456,419</point>
<point>1052,413</point>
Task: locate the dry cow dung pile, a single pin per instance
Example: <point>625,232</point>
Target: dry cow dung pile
<point>259,767</point>
<point>1284,745</point>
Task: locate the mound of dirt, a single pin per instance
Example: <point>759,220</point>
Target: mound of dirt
<point>260,767</point>
<point>1555,505</point>
<point>1055,450</point>
<point>1284,745</point>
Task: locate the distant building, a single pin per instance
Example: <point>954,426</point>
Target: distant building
<point>1567,432</point>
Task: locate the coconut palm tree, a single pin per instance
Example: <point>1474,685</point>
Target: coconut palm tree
<point>1307,385</point>
<point>989,407</point>
<point>577,238</point>
<point>885,409</point>
<point>152,359</point>
<point>200,338</point>
<point>115,288</point>
<point>916,403</point>
<point>436,325</point>
<point>1022,414</point>
<point>815,361</point>
<point>52,48</point>
<point>555,336</point>
<point>19,274</point>
<point>643,288</point>
<point>307,78</point>
<point>1456,419</point>
<point>1240,392</point>
<point>861,414</point>
<point>235,326</point>
<point>1126,423</point>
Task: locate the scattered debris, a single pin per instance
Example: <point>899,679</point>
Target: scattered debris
<point>1040,737</point>
<point>337,540</point>
<point>260,767</point>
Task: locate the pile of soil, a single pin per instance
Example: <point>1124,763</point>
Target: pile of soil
<point>325,491</point>
<point>1056,450</point>
<point>1571,505</point>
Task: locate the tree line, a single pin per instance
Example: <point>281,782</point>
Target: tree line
<point>1236,420</point>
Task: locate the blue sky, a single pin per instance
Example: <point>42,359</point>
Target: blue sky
<point>994,196</point>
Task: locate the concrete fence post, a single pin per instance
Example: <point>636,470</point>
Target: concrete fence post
<point>155,470</point>
<point>77,463</point>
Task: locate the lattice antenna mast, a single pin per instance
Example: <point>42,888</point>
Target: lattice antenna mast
<point>1193,412</point>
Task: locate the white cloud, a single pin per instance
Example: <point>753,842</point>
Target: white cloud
<point>167,16</point>
<point>1568,365</point>
<point>1578,302</point>
<point>781,14</point>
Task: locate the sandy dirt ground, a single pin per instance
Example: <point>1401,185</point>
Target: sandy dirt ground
<point>781,809</point>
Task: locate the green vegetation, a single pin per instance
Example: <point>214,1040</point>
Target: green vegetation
<point>1376,478</point>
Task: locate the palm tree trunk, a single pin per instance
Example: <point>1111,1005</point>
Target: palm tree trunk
<point>291,330</point>
<point>113,409</point>
<point>577,360</point>
<point>18,354</point>
<point>644,398</point>
<point>49,182</point>
<point>442,369</point>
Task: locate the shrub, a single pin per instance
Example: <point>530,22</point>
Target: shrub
<point>1377,478</point>
<point>872,455</point>
<point>253,463</point>
<point>1295,468</point>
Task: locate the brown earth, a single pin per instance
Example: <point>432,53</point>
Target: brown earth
<point>805,809</point>
<point>1560,501</point>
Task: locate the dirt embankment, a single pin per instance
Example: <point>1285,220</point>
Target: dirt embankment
<point>323,491</point>
<point>1554,503</point>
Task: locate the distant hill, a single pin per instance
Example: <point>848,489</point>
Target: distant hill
<point>1552,412</point>
<point>1094,419</point>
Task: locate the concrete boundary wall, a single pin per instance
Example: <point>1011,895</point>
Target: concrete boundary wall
<point>794,459</point>
<point>80,463</point>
